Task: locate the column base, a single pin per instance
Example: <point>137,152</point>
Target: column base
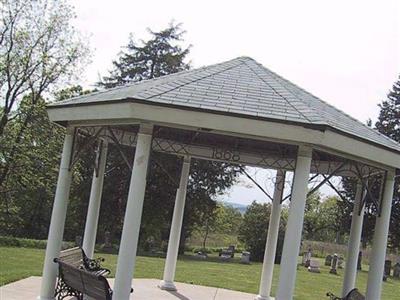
<point>43,298</point>
<point>167,286</point>
<point>259,297</point>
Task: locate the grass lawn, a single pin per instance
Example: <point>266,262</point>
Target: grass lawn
<point>17,263</point>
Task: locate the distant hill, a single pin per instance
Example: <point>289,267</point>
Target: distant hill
<point>240,207</point>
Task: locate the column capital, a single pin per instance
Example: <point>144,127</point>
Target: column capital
<point>304,151</point>
<point>146,128</point>
<point>186,159</point>
<point>70,130</point>
<point>391,174</point>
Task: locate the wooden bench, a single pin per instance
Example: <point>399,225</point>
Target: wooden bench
<point>76,282</point>
<point>354,294</point>
<point>77,258</point>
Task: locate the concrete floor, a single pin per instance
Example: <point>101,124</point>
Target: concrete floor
<point>145,289</point>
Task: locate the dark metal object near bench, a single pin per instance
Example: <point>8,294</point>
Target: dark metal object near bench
<point>77,282</point>
<point>354,294</point>
<point>77,258</point>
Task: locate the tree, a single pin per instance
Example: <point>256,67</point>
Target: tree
<point>318,218</point>
<point>28,191</point>
<point>254,228</point>
<point>228,219</point>
<point>218,218</point>
<point>161,55</point>
<point>38,49</point>
<point>389,124</point>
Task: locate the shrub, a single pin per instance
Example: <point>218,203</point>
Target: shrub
<point>9,241</point>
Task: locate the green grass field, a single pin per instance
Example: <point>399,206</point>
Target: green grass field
<point>18,263</point>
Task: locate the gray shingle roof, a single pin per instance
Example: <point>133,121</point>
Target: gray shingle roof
<point>240,86</point>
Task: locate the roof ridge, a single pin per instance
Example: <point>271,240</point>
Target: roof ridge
<point>278,93</point>
<point>203,77</point>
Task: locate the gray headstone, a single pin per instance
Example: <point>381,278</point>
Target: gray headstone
<point>328,260</point>
<point>245,258</point>
<point>388,267</point>
<point>107,239</point>
<point>307,258</point>
<point>396,270</point>
<point>314,266</point>
<point>340,262</point>
<point>359,261</point>
<point>334,264</point>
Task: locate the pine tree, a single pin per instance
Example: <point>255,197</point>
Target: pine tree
<point>389,124</point>
<point>389,117</point>
<point>161,55</point>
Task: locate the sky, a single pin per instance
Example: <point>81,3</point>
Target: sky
<point>345,52</point>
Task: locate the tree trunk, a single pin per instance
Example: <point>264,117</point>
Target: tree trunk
<point>205,235</point>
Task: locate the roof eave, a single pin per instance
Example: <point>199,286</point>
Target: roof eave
<point>130,110</point>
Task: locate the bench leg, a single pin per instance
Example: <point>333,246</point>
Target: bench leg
<point>63,290</point>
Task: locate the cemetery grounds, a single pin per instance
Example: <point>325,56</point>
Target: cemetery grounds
<point>18,263</point>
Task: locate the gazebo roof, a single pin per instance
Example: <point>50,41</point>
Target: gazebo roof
<point>238,87</point>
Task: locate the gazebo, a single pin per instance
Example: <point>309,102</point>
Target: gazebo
<point>238,112</point>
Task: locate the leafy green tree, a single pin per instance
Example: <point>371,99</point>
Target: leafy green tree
<point>320,218</point>
<point>254,229</point>
<point>228,219</point>
<point>161,55</point>
<point>32,153</point>
<point>39,48</point>
<point>218,218</point>
<point>33,157</point>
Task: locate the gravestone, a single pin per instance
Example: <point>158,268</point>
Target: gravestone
<point>314,266</point>
<point>107,247</point>
<point>201,255</point>
<point>107,239</point>
<point>333,269</point>
<point>245,258</point>
<point>387,270</point>
<point>307,258</point>
<point>396,270</point>
<point>328,260</point>
<point>359,261</point>
<point>340,262</point>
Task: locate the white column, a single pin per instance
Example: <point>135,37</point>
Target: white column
<point>175,233</point>
<point>272,238</point>
<point>291,246</point>
<point>350,271</point>
<point>133,214</point>
<point>92,218</point>
<point>378,252</point>
<point>57,221</point>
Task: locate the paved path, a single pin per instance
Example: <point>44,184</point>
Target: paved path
<point>145,289</point>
